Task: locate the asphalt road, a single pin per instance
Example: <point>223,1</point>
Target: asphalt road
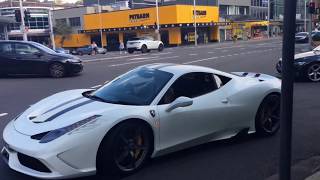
<point>249,158</point>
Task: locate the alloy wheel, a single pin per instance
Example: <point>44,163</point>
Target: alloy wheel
<point>270,117</point>
<point>314,72</point>
<point>57,70</point>
<point>131,148</point>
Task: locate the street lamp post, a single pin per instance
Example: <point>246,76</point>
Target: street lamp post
<point>195,23</point>
<point>23,25</point>
<point>100,23</point>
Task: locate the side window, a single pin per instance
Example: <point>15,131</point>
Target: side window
<point>25,49</point>
<point>6,48</point>
<point>190,85</point>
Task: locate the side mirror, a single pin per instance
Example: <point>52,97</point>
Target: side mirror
<point>180,102</point>
<point>39,54</point>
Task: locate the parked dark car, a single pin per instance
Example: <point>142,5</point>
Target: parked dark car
<point>88,50</point>
<point>26,57</point>
<point>306,65</point>
<point>302,37</point>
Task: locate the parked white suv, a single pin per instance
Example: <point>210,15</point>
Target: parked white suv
<point>144,44</point>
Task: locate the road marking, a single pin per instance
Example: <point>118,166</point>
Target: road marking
<point>236,54</point>
<point>144,58</point>
<point>193,54</point>
<point>106,82</point>
<point>97,86</point>
<point>135,62</point>
<point>3,114</point>
<point>200,60</point>
<point>121,57</point>
<point>211,52</point>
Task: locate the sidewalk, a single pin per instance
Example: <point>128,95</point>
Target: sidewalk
<point>308,169</point>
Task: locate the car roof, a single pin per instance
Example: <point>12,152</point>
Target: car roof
<point>180,69</point>
<point>18,41</point>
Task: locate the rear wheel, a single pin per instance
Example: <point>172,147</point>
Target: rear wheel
<point>144,49</point>
<point>125,149</point>
<point>268,116</point>
<point>57,70</point>
<point>160,48</point>
<point>313,72</point>
<point>130,51</point>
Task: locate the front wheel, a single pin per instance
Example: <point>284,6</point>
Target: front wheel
<point>313,72</point>
<point>57,70</point>
<point>160,48</point>
<point>125,149</point>
<point>268,116</point>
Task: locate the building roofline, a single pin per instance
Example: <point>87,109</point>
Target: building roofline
<point>178,4</point>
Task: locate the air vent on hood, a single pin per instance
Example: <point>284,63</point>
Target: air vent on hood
<point>32,117</point>
<point>39,136</point>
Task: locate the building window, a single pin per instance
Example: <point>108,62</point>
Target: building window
<point>61,21</point>
<point>75,22</point>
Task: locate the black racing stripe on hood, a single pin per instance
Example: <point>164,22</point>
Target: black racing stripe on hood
<point>65,103</point>
<point>68,109</point>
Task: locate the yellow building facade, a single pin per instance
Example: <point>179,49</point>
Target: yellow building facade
<point>176,26</point>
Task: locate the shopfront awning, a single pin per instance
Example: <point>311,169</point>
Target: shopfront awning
<point>153,27</point>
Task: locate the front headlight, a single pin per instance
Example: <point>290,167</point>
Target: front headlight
<point>54,134</point>
<point>73,60</point>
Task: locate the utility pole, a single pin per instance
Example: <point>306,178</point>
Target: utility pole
<point>51,30</point>
<point>158,23</point>
<point>195,23</point>
<point>100,23</point>
<point>268,26</point>
<point>305,16</point>
<point>23,25</point>
<point>288,46</point>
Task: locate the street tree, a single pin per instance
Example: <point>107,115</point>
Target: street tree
<point>63,30</point>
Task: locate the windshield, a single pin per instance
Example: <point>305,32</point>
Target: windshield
<point>302,34</point>
<point>44,48</point>
<point>137,87</point>
<point>135,39</point>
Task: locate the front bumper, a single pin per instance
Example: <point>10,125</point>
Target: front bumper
<point>297,69</point>
<point>74,68</point>
<point>54,167</point>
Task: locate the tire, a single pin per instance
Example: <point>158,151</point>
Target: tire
<point>144,49</point>
<point>80,53</point>
<point>130,51</point>
<point>160,48</point>
<point>116,155</point>
<point>267,120</point>
<point>57,70</point>
<point>312,72</point>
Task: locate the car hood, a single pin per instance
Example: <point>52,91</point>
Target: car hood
<point>60,110</point>
<point>66,56</point>
<point>303,55</point>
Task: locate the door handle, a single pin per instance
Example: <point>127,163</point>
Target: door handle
<point>225,101</point>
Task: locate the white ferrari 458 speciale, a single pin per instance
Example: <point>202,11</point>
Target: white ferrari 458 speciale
<point>150,111</point>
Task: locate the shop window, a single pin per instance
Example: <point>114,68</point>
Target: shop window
<point>75,22</point>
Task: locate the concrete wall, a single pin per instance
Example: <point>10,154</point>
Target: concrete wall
<point>73,12</point>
